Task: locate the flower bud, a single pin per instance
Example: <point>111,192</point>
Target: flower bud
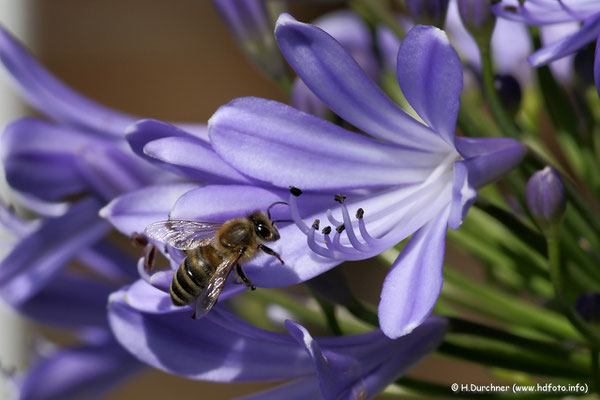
<point>509,91</point>
<point>250,24</point>
<point>588,307</point>
<point>428,12</point>
<point>478,19</point>
<point>545,195</point>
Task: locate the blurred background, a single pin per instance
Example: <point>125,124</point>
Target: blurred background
<point>170,60</point>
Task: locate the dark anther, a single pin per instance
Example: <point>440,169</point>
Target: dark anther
<point>511,9</point>
<point>339,198</point>
<point>326,230</point>
<point>139,239</point>
<point>295,191</point>
<point>315,224</point>
<point>359,213</point>
<point>340,228</point>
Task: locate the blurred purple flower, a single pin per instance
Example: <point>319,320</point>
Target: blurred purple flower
<point>252,28</point>
<point>588,307</point>
<point>223,348</point>
<point>428,12</point>
<point>82,155</point>
<point>72,301</point>
<point>551,12</point>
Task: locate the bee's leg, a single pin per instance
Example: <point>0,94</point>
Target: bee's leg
<point>149,257</point>
<point>270,252</point>
<point>243,277</point>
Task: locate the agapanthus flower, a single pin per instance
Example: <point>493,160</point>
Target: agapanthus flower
<point>407,177</point>
<point>223,348</point>
<point>551,12</point>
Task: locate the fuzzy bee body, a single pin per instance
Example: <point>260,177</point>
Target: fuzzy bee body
<point>193,275</point>
<point>212,250</point>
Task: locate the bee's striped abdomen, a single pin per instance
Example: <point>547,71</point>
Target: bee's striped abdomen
<point>191,278</point>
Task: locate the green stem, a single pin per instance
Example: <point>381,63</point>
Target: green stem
<point>362,312</point>
<point>376,12</point>
<point>329,313</point>
<point>463,326</point>
<point>285,85</point>
<point>509,356</point>
<point>489,90</point>
<point>306,314</point>
<point>492,303</point>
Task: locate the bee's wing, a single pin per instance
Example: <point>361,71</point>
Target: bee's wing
<point>183,235</point>
<point>210,294</point>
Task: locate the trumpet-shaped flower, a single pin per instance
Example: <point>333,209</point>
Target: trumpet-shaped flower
<point>223,348</point>
<point>407,178</point>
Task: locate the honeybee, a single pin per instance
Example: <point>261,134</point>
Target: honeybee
<point>212,250</point>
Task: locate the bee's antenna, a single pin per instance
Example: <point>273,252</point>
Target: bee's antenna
<point>271,206</point>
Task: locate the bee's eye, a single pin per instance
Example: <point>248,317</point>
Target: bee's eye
<point>263,231</point>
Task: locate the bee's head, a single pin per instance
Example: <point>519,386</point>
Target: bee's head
<point>263,227</point>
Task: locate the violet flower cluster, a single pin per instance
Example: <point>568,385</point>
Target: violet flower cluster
<point>381,155</point>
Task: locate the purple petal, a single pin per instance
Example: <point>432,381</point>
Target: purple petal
<point>52,97</point>
<point>109,261</point>
<point>335,77</point>
<point>336,370</point>
<point>430,76</point>
<point>41,207</point>
<point>219,347</point>
<point>147,130</point>
<point>388,44</point>
<point>252,27</point>
<point>542,12</point>
<point>70,301</point>
<point>81,372</point>
<point>407,352</point>
<point>303,99</point>
<point>360,366</point>
<point>133,211</point>
<point>15,224</point>
<point>40,256</point>
<point>413,284</point>
<point>463,195</point>
<point>272,142</point>
<point>39,158</point>
<point>300,389</point>
<point>193,159</point>
<point>588,32</point>
<point>353,34</point>
<point>109,171</point>
<point>487,159</point>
